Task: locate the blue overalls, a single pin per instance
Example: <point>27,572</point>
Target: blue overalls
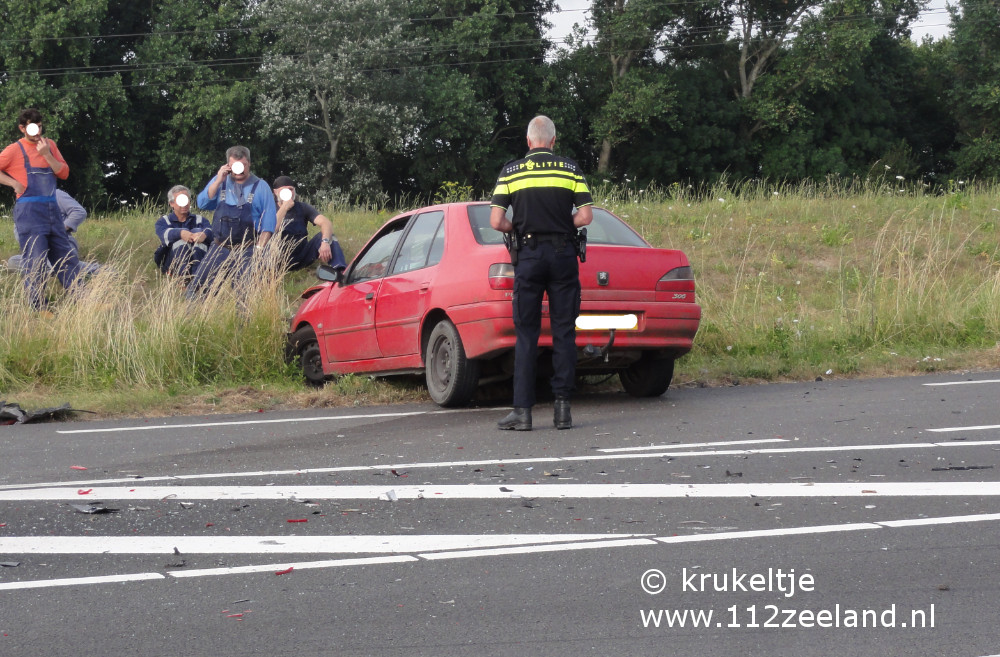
<point>232,246</point>
<point>41,234</point>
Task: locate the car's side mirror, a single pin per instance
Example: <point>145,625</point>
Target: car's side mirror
<point>328,273</point>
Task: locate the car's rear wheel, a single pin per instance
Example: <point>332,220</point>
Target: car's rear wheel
<point>649,376</point>
<point>303,343</point>
<point>451,377</point>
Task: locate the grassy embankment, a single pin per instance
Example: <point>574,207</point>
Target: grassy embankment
<point>794,283</point>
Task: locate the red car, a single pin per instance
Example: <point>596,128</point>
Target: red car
<point>431,293</point>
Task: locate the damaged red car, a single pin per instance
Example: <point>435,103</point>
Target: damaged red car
<point>430,294</point>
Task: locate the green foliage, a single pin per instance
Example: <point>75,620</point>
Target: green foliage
<point>452,192</point>
<point>378,100</point>
<point>975,66</point>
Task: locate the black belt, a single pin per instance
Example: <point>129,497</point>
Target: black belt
<point>554,238</point>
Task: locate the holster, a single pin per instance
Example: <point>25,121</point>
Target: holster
<point>514,243</point>
<point>581,244</point>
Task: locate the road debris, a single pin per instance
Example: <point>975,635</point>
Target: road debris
<point>93,508</point>
<point>11,413</point>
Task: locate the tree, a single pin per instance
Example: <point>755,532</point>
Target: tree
<point>193,85</point>
<point>975,68</point>
<point>50,58</point>
<point>791,49</point>
<point>482,78</point>
<point>628,33</point>
<point>334,86</point>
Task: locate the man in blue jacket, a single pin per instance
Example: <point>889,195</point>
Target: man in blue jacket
<point>184,237</point>
<point>244,219</point>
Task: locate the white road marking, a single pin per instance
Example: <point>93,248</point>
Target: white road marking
<point>962,383</point>
<point>624,541</point>
<point>508,491</point>
<point>385,467</point>
<point>689,445</point>
<point>535,549</point>
<point>289,420</point>
<point>984,427</point>
<point>353,544</point>
<point>78,581</point>
<point>304,565</point>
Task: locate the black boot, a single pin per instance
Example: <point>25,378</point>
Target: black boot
<point>561,417</point>
<point>518,419</point>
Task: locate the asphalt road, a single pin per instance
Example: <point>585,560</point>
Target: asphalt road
<point>828,518</point>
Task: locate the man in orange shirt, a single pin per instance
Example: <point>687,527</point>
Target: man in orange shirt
<point>31,166</point>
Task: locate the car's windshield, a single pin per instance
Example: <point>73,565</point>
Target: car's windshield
<point>605,229</point>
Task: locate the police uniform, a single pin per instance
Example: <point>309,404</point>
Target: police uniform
<point>543,188</point>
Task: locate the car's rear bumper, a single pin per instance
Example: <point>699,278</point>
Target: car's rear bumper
<point>487,329</point>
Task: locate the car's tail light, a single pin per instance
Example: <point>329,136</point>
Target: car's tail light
<point>502,276</point>
<point>679,282</point>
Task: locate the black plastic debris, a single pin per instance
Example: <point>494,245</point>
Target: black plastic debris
<point>11,413</point>
<point>9,564</point>
<point>92,508</point>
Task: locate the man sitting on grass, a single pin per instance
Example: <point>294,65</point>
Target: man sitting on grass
<point>184,237</point>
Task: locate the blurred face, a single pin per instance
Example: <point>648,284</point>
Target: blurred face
<point>181,205</point>
<point>285,193</point>
<point>32,132</point>
<point>240,169</point>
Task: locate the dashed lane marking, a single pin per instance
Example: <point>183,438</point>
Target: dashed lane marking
<point>624,541</point>
<point>508,491</point>
<point>385,467</point>
<point>289,420</point>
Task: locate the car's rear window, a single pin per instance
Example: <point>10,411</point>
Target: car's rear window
<point>605,229</point>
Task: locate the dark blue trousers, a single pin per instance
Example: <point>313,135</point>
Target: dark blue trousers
<point>545,268</point>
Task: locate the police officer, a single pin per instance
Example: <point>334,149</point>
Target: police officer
<point>543,189</point>
<point>244,217</point>
<point>31,167</point>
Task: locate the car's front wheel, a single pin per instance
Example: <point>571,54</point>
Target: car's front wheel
<point>649,376</point>
<point>303,343</point>
<point>451,377</point>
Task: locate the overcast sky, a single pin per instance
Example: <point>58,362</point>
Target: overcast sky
<point>933,21</point>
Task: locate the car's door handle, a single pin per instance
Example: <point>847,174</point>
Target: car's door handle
<point>369,296</point>
<point>426,285</point>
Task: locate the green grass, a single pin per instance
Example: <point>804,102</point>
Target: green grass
<point>795,282</point>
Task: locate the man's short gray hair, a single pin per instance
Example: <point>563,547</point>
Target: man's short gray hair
<point>541,130</point>
<point>175,190</point>
<point>238,153</point>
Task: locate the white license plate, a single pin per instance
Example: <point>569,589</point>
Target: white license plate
<point>628,322</point>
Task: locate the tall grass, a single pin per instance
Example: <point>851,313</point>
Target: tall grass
<point>851,277</point>
<point>122,329</point>
<point>848,277</point>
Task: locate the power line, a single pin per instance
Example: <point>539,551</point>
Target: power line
<point>591,38</point>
